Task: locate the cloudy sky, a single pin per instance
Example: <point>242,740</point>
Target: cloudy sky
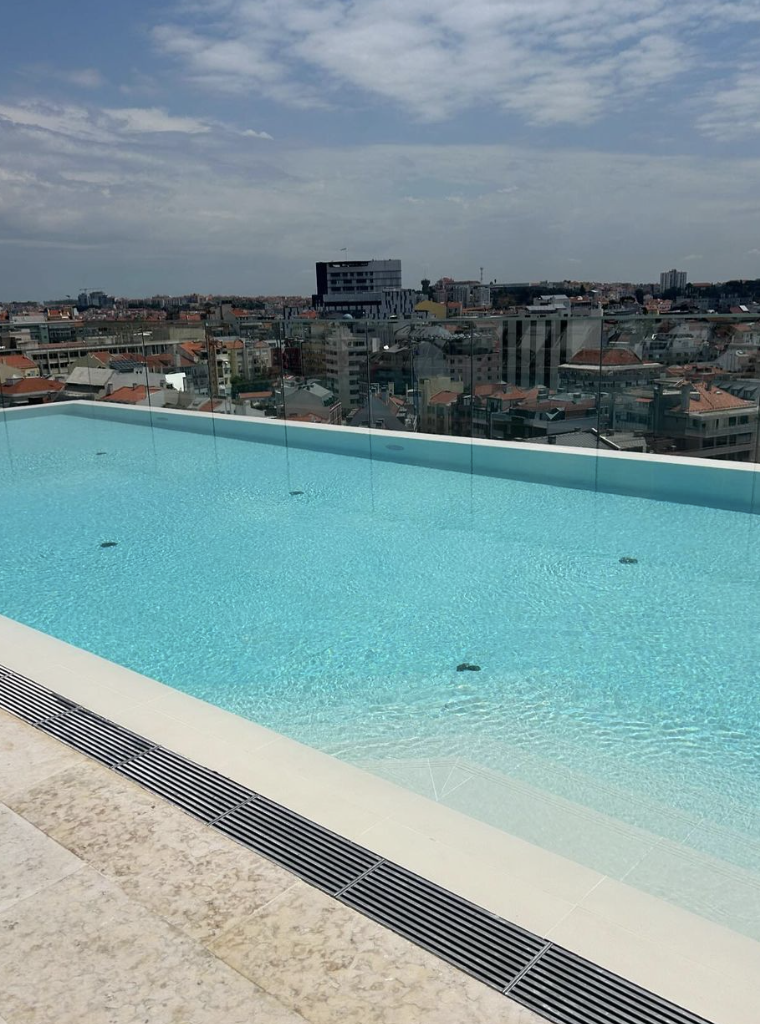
<point>227,145</point>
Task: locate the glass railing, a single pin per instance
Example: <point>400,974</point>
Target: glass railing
<point>678,385</point>
<point>681,384</point>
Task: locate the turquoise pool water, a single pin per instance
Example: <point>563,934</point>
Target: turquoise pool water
<point>338,617</point>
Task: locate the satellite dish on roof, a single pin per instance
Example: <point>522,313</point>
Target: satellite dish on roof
<point>347,316</point>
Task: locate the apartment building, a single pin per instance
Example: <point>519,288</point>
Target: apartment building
<point>344,356</point>
<point>690,418</point>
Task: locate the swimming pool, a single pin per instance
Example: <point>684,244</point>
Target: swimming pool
<point>614,715</point>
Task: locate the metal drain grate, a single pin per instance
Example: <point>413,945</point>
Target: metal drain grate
<point>551,981</point>
<point>566,989</point>
<point>93,735</point>
<point>195,789</point>
<point>326,860</point>
<point>457,931</point>
<point>27,700</point>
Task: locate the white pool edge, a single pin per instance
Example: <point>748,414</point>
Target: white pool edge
<point>695,963</point>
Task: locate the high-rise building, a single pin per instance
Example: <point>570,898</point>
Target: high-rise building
<point>352,277</point>
<point>363,288</point>
<point>670,279</point>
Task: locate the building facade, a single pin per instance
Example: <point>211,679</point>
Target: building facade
<point>354,277</point>
<point>672,279</point>
<point>537,344</point>
<point>364,289</point>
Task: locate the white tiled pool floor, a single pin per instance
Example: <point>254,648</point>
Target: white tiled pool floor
<point>115,907</point>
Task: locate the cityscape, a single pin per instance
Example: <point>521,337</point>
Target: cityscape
<point>380,467</point>
<point>668,367</point>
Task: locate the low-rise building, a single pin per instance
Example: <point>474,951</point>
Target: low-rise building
<point>29,391</point>
<point>135,394</point>
<point>688,417</point>
<point>382,410</point>
<point>15,364</point>
<point>296,400</point>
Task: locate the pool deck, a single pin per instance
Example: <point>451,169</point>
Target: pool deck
<point>166,921</point>
<point>116,907</point>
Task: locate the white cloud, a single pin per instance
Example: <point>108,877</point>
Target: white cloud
<point>733,110</point>
<point>551,61</point>
<point>47,117</point>
<point>145,209</point>
<point>101,125</point>
<point>153,119</point>
<point>86,78</point>
<point>249,133</point>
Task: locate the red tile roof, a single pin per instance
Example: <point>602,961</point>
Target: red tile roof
<point>136,357</point>
<point>715,400</point>
<point>129,395</point>
<point>30,386</point>
<point>192,348</point>
<point>487,389</point>
<point>605,357</point>
<point>18,362</point>
<point>255,394</point>
<point>444,398</point>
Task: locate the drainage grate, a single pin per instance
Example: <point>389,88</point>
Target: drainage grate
<point>93,735</point>
<point>195,789</point>
<point>326,860</point>
<point>557,984</point>
<point>27,700</point>
<point>566,989</point>
<point>457,931</point>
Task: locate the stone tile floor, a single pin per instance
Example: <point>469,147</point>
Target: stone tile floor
<point>117,908</point>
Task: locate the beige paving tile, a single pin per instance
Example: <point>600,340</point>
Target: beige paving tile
<point>336,776</point>
<point>82,951</point>
<point>716,947</point>
<point>71,671</point>
<point>210,719</point>
<point>179,868</point>
<point>29,860</point>
<point>93,688</point>
<point>661,969</point>
<point>503,892</point>
<point>498,852</point>
<point>332,964</point>
<point>229,751</point>
<point>27,756</point>
<point>336,806</point>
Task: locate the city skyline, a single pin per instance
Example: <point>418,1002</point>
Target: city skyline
<point>229,146</point>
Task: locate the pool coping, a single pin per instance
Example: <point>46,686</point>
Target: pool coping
<point>688,960</point>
